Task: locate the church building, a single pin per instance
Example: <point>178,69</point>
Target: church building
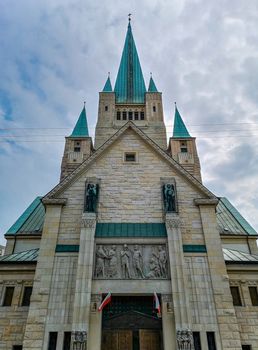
<point>130,251</point>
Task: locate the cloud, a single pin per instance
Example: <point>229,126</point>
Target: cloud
<point>56,53</point>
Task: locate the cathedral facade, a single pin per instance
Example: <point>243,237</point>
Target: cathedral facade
<point>130,251</point>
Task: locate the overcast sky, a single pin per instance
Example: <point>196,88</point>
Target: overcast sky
<point>54,54</point>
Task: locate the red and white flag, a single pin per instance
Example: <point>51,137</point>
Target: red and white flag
<point>106,301</point>
<point>157,304</point>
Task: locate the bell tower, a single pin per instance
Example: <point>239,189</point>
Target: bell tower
<point>78,146</point>
<point>182,147</point>
<point>130,100</point>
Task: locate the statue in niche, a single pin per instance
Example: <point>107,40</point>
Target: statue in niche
<point>162,258</point>
<point>137,262</point>
<point>101,255</point>
<point>112,262</point>
<point>154,266</point>
<point>125,262</point>
<point>169,197</point>
<point>91,198</point>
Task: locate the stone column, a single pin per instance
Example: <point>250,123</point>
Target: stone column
<point>226,316</point>
<point>178,282</point>
<point>35,327</point>
<point>82,298</point>
<point>94,342</point>
<point>168,323</point>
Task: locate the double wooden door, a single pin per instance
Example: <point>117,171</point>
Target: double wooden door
<point>145,339</point>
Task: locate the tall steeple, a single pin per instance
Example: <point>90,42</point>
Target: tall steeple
<point>152,86</point>
<point>78,146</point>
<point>130,85</point>
<point>182,147</point>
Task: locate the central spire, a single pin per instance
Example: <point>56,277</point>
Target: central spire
<point>130,86</point>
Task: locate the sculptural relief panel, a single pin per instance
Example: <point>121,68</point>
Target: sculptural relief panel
<point>131,261</point>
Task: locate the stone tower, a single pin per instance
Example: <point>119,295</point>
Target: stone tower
<point>130,101</point>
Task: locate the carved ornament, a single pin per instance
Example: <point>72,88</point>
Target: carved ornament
<point>184,338</point>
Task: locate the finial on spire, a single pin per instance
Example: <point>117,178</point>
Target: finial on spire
<point>84,103</point>
<point>109,74</point>
<point>129,17</point>
<point>175,104</point>
<point>151,74</point>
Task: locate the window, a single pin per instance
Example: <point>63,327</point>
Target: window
<point>8,296</point>
<point>197,341</point>
<point>130,157</point>
<point>77,146</point>
<point>26,296</point>
<point>67,340</point>
<point>136,115</point>
<point>236,296</point>
<point>52,340</point>
<point>246,347</point>
<point>183,147</point>
<point>154,108</point>
<point>17,347</point>
<point>124,115</point>
<point>106,108</point>
<point>211,340</point>
<point>118,115</point>
<point>142,115</point>
<point>130,115</point>
<point>253,295</point>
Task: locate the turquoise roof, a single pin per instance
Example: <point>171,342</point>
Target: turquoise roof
<point>152,86</point>
<point>108,86</point>
<point>81,127</point>
<point>131,230</point>
<point>21,257</point>
<point>180,130</point>
<point>230,221</point>
<point>235,256</point>
<point>130,85</point>
<point>31,219</point>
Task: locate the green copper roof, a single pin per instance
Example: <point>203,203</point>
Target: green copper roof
<point>152,86</point>
<point>131,230</point>
<point>81,127</point>
<point>230,221</point>
<point>232,256</point>
<point>31,220</point>
<point>21,257</point>
<point>180,130</point>
<point>130,86</point>
<point>108,86</point>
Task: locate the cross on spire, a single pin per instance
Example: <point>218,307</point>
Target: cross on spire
<point>129,17</point>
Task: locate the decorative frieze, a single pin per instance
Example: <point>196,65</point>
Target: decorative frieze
<point>131,261</point>
<point>184,339</point>
<point>79,340</point>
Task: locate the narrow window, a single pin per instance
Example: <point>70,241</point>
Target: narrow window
<point>183,147</point>
<point>118,115</point>
<point>77,146</point>
<point>130,157</point>
<point>236,296</point>
<point>246,347</point>
<point>211,340</point>
<point>52,340</point>
<point>130,115</point>
<point>26,296</point>
<point>17,347</point>
<point>142,115</point>
<point>154,108</point>
<point>136,115</point>
<point>197,341</point>
<point>8,296</point>
<point>253,295</point>
<point>106,108</point>
<point>67,340</point>
<point>124,115</point>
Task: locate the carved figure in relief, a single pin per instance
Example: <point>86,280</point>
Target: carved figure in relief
<point>91,198</point>
<point>169,197</point>
<point>137,262</point>
<point>101,255</point>
<point>154,266</point>
<point>162,258</point>
<point>113,261</point>
<point>125,262</point>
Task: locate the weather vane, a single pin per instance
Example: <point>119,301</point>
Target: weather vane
<point>129,17</point>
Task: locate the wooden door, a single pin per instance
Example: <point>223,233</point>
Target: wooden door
<point>149,339</point>
<point>117,340</point>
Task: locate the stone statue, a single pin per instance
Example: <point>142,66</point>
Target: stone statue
<point>169,197</point>
<point>137,262</point>
<point>91,198</point>
<point>154,266</point>
<point>184,339</point>
<point>79,340</point>
<point>125,262</point>
<point>162,258</point>
<point>112,262</point>
<point>101,255</point>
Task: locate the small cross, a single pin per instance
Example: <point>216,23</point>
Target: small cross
<point>129,17</point>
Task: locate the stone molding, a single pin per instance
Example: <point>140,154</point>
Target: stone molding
<point>88,220</point>
<point>206,201</point>
<point>54,201</point>
<point>173,221</point>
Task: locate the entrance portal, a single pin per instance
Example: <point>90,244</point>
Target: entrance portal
<point>130,323</point>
